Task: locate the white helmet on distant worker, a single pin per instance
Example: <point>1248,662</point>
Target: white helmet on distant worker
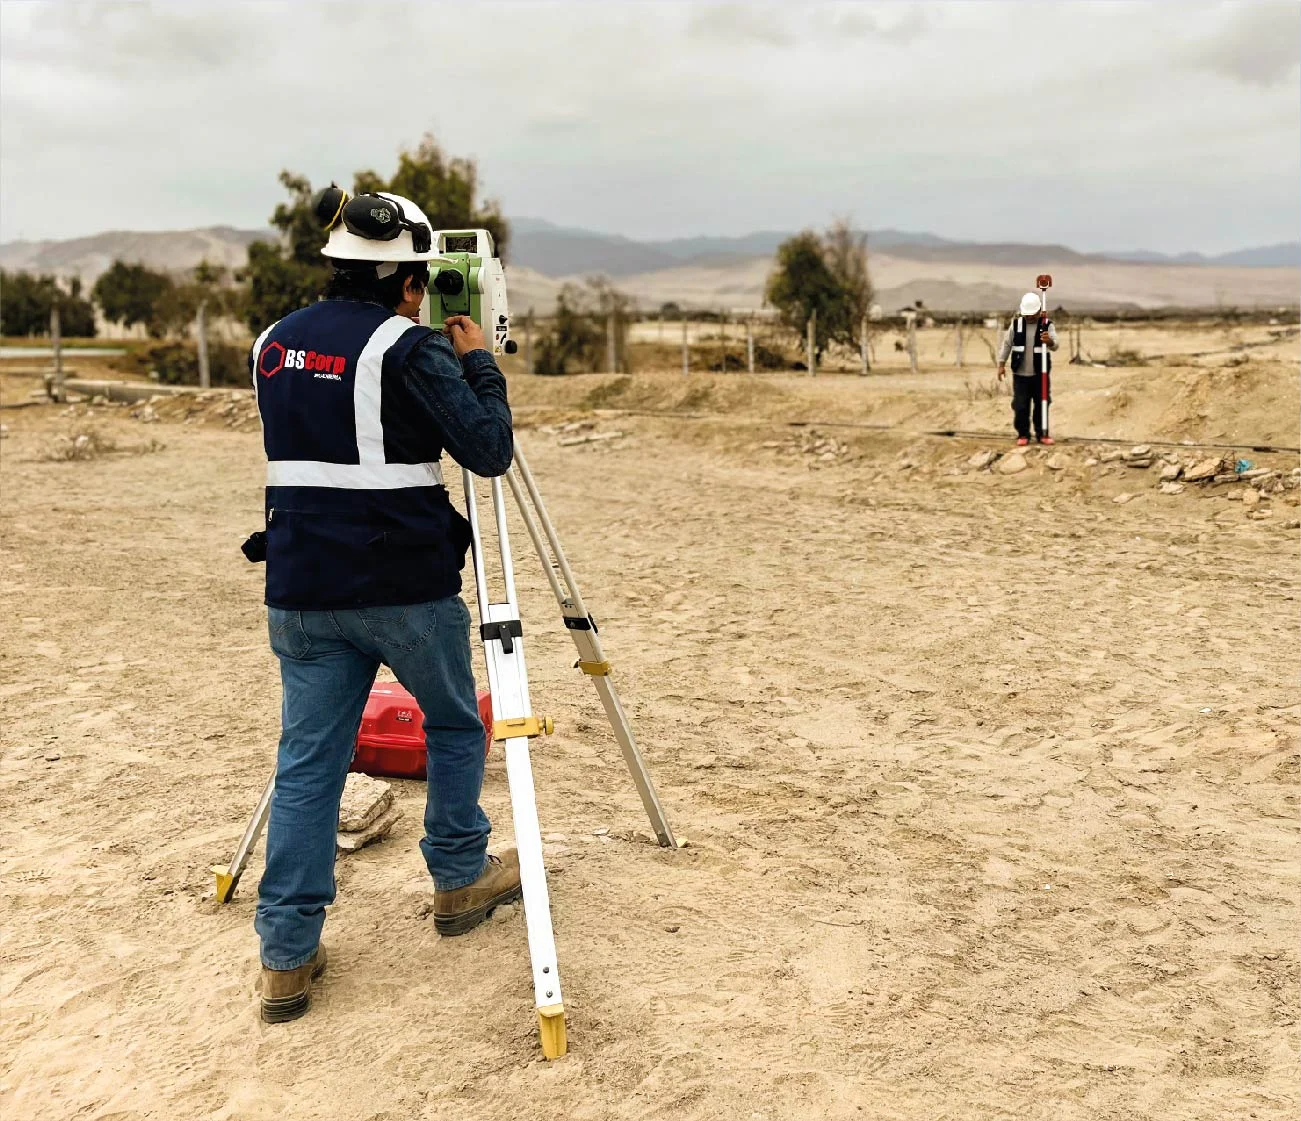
<point>1031,304</point>
<point>374,227</point>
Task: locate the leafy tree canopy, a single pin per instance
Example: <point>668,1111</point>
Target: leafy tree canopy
<point>26,300</point>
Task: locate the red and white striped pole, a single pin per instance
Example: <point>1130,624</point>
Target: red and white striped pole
<point>1043,283</point>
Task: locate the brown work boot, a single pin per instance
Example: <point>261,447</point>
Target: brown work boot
<point>461,910</point>
<point>287,993</point>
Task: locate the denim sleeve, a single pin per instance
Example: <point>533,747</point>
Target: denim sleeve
<point>465,401</point>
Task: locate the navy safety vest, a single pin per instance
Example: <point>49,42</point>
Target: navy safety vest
<point>1019,333</point>
<point>356,511</point>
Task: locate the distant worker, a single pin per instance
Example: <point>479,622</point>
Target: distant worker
<point>1031,384</point>
<point>364,552</point>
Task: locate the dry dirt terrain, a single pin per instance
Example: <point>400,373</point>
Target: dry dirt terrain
<point>988,774</point>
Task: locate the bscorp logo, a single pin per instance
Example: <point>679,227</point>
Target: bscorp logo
<point>275,357</point>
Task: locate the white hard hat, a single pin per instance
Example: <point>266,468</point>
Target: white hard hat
<point>367,229</point>
<point>1031,303</point>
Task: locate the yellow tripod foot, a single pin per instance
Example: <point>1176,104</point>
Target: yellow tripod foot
<point>225,882</point>
<point>551,1027</point>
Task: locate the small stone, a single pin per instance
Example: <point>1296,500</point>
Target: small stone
<point>555,838</point>
<point>1092,461</point>
<point>672,928</point>
<point>602,831</point>
<point>504,913</point>
<point>1058,462</point>
<point>1234,496</point>
<point>1012,464</point>
<point>1171,488</point>
<point>1171,471</point>
<point>982,459</point>
<point>1138,463</point>
<point>1257,473</point>
<point>1259,515</point>
<point>1292,523</point>
<point>1250,498</point>
<point>1139,451</point>
<point>1203,470</point>
<point>1226,477</point>
<point>1121,499</point>
<point>52,757</point>
<point>1112,456</point>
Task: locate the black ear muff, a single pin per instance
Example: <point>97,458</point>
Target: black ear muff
<point>421,237</point>
<point>328,204</point>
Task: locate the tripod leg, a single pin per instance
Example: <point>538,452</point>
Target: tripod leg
<point>582,629</point>
<point>228,874</point>
<point>514,723</point>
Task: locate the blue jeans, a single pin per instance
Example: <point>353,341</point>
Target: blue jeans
<point>328,661</point>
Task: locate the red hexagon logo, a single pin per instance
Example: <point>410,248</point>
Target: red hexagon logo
<point>264,366</point>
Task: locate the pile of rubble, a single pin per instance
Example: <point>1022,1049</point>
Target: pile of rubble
<point>1170,471</point>
<point>816,448</point>
<point>578,432</point>
<point>230,408</point>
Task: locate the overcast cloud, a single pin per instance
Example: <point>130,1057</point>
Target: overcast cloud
<point>1167,126</point>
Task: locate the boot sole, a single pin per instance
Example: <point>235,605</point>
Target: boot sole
<point>280,1010</point>
<point>449,926</point>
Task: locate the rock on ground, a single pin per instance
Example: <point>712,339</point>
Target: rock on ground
<point>1011,464</point>
<point>364,800</point>
<point>377,830</point>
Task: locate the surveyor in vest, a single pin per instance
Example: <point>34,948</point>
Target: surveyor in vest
<point>1031,367</point>
<point>364,553</point>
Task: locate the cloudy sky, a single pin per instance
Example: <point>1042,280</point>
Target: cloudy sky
<point>1166,126</point>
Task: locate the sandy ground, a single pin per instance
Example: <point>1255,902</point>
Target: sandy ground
<point>989,782</point>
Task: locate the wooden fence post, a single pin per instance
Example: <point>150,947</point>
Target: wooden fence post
<point>528,342</point>
<point>201,332</point>
<point>912,343</point>
<point>56,344</point>
<point>810,342</point>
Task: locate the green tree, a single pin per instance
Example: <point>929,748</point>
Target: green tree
<point>846,255</point>
<point>134,293</point>
<point>289,273</point>
<point>445,189</point>
<point>26,300</point>
<point>574,341</point>
<point>801,283</point>
<point>827,274</point>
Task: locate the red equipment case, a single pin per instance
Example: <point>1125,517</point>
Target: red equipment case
<point>391,741</point>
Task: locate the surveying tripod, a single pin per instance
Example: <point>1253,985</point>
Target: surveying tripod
<point>514,724</point>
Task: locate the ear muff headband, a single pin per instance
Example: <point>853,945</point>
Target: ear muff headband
<point>377,218</point>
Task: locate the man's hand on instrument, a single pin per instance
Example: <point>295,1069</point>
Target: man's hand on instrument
<point>465,333</point>
<point>1044,337</point>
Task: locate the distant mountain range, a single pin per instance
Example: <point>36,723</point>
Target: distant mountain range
<point>730,271</point>
<point>560,251</point>
<point>565,251</point>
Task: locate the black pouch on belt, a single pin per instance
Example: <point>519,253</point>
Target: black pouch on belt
<point>255,548</point>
